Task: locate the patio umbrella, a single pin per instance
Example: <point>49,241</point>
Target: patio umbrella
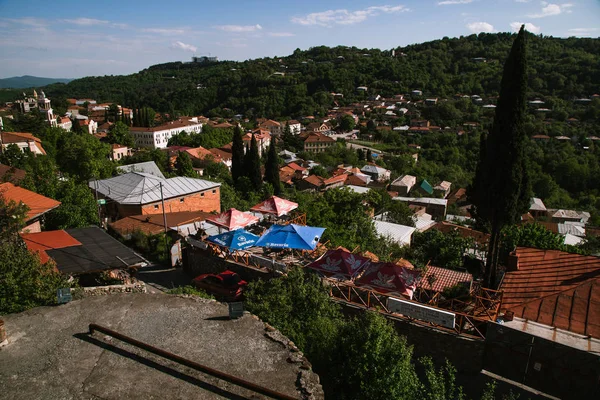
<point>291,237</point>
<point>239,239</point>
<point>276,206</point>
<point>340,264</point>
<point>233,219</point>
<point>390,278</point>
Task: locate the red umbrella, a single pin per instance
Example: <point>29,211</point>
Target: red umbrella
<point>340,264</point>
<point>275,205</point>
<point>233,219</point>
<point>390,278</point>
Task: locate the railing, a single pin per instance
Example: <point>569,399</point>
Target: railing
<point>191,364</point>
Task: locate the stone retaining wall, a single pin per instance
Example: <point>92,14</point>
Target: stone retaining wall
<point>139,287</point>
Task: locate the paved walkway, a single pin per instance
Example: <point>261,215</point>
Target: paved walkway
<point>159,278</point>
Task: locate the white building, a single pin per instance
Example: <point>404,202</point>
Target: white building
<point>157,137</point>
<point>295,127</point>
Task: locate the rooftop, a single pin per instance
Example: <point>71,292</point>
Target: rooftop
<point>437,279</point>
<point>154,223</point>
<point>148,167</point>
<point>141,188</point>
<point>37,203</point>
<point>81,250</point>
<point>555,288</point>
<point>95,366</point>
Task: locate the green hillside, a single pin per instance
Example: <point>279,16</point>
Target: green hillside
<point>28,81</point>
<point>560,68</point>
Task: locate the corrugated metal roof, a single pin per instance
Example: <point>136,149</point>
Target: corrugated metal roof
<point>358,189</point>
<point>570,229</point>
<point>399,233</point>
<point>148,167</point>
<point>424,200</point>
<point>537,204</point>
<point>141,188</point>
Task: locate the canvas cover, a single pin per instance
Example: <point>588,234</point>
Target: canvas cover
<point>239,239</point>
<point>276,206</point>
<point>390,278</point>
<point>233,219</point>
<point>340,264</point>
<point>291,236</point>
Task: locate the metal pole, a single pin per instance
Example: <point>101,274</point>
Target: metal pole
<point>97,205</point>
<point>162,198</point>
<point>167,250</point>
<point>191,364</point>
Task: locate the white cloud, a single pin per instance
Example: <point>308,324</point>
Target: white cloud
<point>164,31</point>
<point>477,27</point>
<point>239,28</point>
<point>85,21</point>
<point>280,34</point>
<point>29,21</point>
<point>345,17</point>
<point>182,46</point>
<point>552,9</point>
<point>451,2</point>
<point>515,26</point>
<point>583,30</point>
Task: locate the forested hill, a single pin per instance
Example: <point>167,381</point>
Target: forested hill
<point>302,83</point>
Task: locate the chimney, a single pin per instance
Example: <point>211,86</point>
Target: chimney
<point>512,262</point>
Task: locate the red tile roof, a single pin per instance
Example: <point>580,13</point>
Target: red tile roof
<point>37,203</point>
<point>463,231</point>
<point>201,153</point>
<point>11,174</point>
<point>555,288</point>
<point>316,137</point>
<point>42,241</point>
<point>314,180</point>
<point>221,154</point>
<point>335,179</point>
<point>443,278</point>
<point>295,167</point>
<point>21,137</point>
<point>153,224</point>
<point>576,309</point>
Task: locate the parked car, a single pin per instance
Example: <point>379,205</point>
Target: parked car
<point>227,285</point>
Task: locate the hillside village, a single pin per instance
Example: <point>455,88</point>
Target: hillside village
<point>158,197</point>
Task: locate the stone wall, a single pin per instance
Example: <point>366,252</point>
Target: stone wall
<point>139,287</point>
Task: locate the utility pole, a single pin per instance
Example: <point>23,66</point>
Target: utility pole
<point>97,204</point>
<point>162,199</point>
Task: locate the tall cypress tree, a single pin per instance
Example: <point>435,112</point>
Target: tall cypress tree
<point>272,168</point>
<point>237,154</point>
<point>501,189</point>
<point>252,164</point>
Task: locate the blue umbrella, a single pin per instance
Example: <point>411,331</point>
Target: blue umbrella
<point>239,239</point>
<point>291,237</point>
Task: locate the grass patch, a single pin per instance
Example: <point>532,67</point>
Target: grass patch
<point>191,291</point>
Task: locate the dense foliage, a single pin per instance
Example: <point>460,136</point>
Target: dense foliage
<point>24,281</point>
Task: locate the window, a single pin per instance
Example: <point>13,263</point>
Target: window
<point>181,200</point>
<point>156,206</point>
<point>214,191</point>
<point>202,194</point>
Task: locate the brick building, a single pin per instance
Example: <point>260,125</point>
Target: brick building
<point>137,193</point>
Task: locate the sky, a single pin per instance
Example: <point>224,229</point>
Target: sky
<point>66,39</point>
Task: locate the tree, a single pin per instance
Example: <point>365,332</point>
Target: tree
<point>184,166</point>
<point>119,133</point>
<point>237,154</point>
<point>272,168</point>
<point>361,154</point>
<point>500,191</point>
<point>369,156</point>
<point>13,156</point>
<point>26,283</point>
<point>400,213</point>
<point>347,123</point>
<point>252,164</point>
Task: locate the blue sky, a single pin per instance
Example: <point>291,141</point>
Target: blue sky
<point>57,38</point>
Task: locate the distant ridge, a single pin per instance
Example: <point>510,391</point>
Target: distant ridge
<point>27,81</point>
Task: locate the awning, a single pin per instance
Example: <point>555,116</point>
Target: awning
<point>390,278</point>
<point>276,206</point>
<point>239,239</point>
<point>340,264</point>
<point>233,219</point>
<point>291,237</point>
